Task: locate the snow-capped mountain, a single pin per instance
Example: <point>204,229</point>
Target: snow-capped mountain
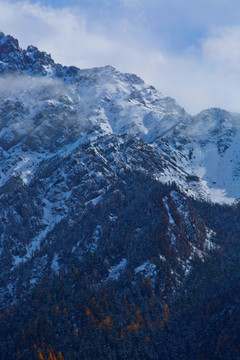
<point>47,106</point>
<point>66,138</point>
<point>101,175</point>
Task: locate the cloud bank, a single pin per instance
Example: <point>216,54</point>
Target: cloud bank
<point>202,72</point>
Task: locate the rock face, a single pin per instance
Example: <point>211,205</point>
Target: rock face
<point>68,135</point>
<point>101,172</point>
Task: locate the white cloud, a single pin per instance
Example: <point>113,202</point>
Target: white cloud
<point>223,47</point>
<point>203,76</point>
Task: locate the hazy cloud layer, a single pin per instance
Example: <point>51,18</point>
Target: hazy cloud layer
<point>188,50</point>
<point>17,87</point>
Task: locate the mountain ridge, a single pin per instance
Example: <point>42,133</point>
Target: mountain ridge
<point>106,101</point>
<point>115,206</point>
<point>65,143</point>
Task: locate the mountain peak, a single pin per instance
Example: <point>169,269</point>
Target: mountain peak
<point>14,59</point>
<point>8,44</point>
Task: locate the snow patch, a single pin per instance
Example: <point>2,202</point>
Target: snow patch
<point>112,218</point>
<point>115,271</point>
<point>95,239</point>
<point>209,244</point>
<point>55,265</point>
<point>169,213</point>
<point>162,257</point>
<point>146,269</point>
<point>94,201</point>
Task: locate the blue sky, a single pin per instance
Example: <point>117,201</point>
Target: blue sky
<point>188,49</point>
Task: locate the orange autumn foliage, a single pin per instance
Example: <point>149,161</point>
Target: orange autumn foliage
<point>51,356</point>
<point>122,335</point>
<point>166,312</point>
<point>139,317</point>
<point>106,322</point>
<point>133,327</point>
<point>88,312</point>
<point>60,357</point>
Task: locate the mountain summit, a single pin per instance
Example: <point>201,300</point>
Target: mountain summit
<point>55,104</point>
<point>15,60</point>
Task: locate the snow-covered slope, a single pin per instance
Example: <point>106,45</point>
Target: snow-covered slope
<point>100,182</point>
<point>70,138</point>
<point>207,147</point>
<point>46,106</point>
<point>41,112</point>
<point>116,102</point>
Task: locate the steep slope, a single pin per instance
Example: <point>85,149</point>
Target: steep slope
<point>67,135</point>
<point>63,142</point>
<point>105,291</point>
<point>44,110</point>
<point>206,146</point>
<point>106,270</point>
<point>114,101</point>
<point>102,189</point>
